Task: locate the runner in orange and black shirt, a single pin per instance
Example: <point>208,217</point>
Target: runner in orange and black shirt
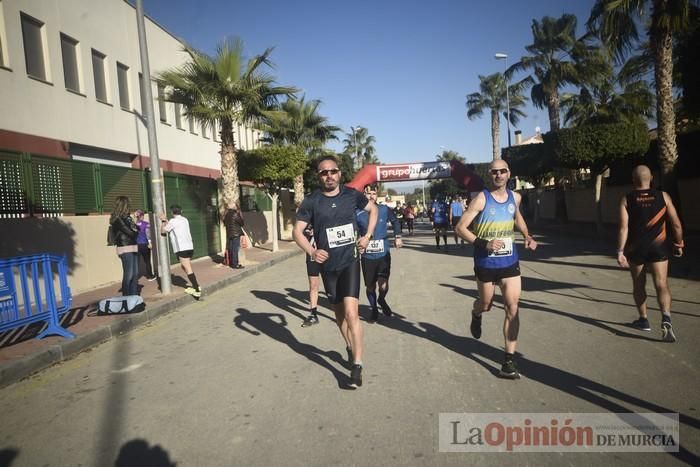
<point>642,244</point>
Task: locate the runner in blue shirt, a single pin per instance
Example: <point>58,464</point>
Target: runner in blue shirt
<point>440,222</point>
<point>456,211</point>
<point>376,260</point>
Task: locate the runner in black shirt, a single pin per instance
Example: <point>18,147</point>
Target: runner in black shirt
<point>332,210</point>
<point>642,244</point>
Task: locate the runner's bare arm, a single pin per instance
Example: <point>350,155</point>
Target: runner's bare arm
<point>300,238</point>
<point>622,234</point>
<point>364,240</point>
<point>521,225</point>
<point>475,207</point>
<point>676,227</point>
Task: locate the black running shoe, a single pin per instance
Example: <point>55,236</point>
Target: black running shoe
<point>667,334</point>
<point>641,323</point>
<point>475,326</point>
<point>356,376</point>
<point>385,307</point>
<point>310,320</point>
<point>509,370</point>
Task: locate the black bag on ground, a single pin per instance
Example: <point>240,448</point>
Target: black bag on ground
<point>121,305</point>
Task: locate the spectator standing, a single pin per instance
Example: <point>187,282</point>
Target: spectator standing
<point>124,232</point>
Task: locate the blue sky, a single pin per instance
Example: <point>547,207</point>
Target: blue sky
<point>401,69</point>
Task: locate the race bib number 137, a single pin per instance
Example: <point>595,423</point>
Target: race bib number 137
<point>340,236</point>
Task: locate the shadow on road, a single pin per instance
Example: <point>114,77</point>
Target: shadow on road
<point>605,397</point>
<point>8,455</point>
<point>138,453</point>
<point>274,325</point>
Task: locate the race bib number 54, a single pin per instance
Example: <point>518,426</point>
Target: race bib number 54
<point>340,236</point>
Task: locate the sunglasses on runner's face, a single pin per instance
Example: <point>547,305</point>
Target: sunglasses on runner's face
<point>327,172</point>
<point>499,171</point>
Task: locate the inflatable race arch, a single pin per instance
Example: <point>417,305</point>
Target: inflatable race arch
<point>463,175</point>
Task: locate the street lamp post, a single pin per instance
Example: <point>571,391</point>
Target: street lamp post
<point>501,56</point>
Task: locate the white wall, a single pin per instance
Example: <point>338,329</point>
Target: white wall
<point>47,109</point>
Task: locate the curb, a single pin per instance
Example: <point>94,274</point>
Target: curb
<point>17,370</point>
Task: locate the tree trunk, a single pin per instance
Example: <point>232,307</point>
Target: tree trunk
<point>495,134</point>
<point>662,47</point>
<point>275,221</point>
<point>229,164</point>
<point>298,190</point>
<point>598,206</point>
<point>553,110</point>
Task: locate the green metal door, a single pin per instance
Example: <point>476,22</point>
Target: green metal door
<point>198,198</point>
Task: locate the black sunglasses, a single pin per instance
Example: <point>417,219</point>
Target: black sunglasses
<point>499,171</point>
<point>325,173</point>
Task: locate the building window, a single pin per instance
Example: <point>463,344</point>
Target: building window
<point>214,133</point>
<point>69,51</point>
<point>33,47</point>
<point>204,131</point>
<point>190,120</point>
<point>162,109</point>
<point>4,60</point>
<point>178,115</point>
<point>99,73</point>
<point>123,82</point>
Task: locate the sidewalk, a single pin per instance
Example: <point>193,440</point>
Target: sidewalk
<point>22,355</point>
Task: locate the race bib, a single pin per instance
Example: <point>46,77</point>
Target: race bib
<point>507,249</point>
<point>375,246</point>
<point>340,236</point>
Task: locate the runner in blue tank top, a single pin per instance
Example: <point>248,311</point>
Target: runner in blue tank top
<point>495,214</point>
<point>376,260</point>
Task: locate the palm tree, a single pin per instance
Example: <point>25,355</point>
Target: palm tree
<point>493,98</point>
<point>617,22</point>
<point>557,58</point>
<point>360,144</point>
<point>224,90</point>
<point>609,98</point>
<point>298,122</point>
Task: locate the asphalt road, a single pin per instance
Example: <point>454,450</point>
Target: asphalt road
<point>235,380</point>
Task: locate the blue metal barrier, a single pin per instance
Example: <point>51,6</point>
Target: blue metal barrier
<point>41,305</point>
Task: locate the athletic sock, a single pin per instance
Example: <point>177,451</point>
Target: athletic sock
<point>372,298</point>
<point>666,317</point>
<point>314,311</point>
<point>357,363</point>
<point>509,357</point>
<point>193,280</point>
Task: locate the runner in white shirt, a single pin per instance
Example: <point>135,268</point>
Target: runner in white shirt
<point>178,229</point>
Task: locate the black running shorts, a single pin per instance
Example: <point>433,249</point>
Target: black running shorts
<point>342,283</point>
<point>651,254</point>
<point>185,254</point>
<point>313,269</point>
<point>373,269</point>
<point>455,220</point>
<point>440,226</point>
<point>496,274</point>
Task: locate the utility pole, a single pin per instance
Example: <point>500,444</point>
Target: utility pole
<point>157,200</point>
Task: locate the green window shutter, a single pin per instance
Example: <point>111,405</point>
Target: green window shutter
<point>52,181</point>
<point>84,188</point>
<point>120,181</point>
<point>13,191</point>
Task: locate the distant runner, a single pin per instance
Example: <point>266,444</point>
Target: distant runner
<point>642,245</point>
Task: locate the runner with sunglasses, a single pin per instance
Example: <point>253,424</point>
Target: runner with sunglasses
<point>495,214</point>
<point>332,212</point>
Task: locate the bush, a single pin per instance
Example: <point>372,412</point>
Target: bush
<point>596,147</point>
